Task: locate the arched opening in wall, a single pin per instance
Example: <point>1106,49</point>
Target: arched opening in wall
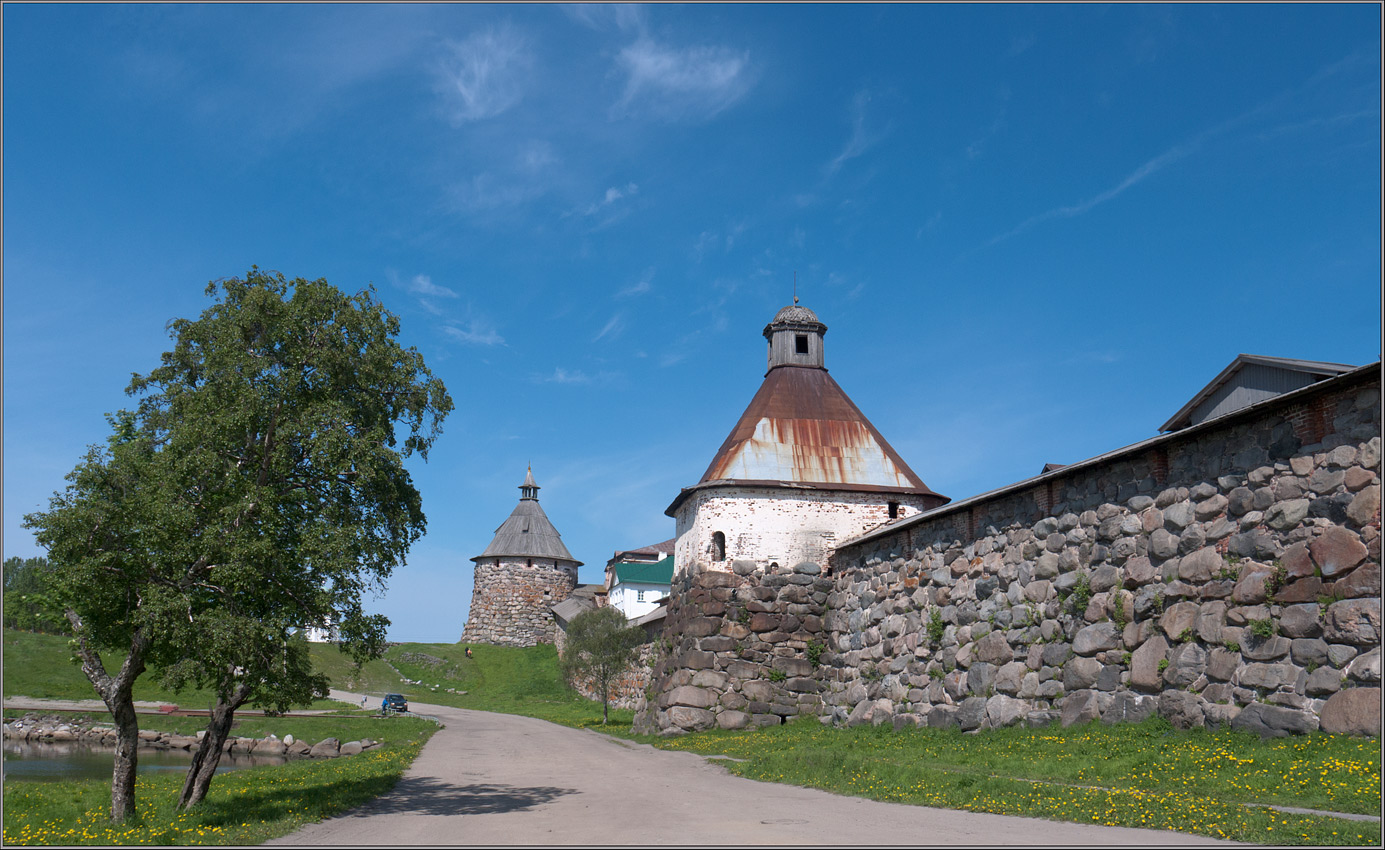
<point>894,510</point>
<point>718,546</point>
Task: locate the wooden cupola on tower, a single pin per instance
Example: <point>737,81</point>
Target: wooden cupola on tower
<point>802,470</point>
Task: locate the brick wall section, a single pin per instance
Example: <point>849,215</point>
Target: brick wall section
<point>511,601</point>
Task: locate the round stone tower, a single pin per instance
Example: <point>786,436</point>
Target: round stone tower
<point>520,577</point>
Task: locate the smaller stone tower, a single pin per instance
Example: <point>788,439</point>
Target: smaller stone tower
<point>520,577</point>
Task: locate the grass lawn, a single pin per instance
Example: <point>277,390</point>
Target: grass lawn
<point>1146,775</point>
<point>245,806</point>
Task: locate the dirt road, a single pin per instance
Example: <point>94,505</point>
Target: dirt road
<point>501,779</point>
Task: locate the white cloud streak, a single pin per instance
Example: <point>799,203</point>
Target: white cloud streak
<point>475,332</point>
<point>484,75</point>
<point>639,287</point>
<point>675,84</point>
<point>860,140</point>
<point>612,328</point>
<point>422,284</point>
<point>1176,153</point>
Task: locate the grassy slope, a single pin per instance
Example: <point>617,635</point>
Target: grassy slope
<point>496,678</point>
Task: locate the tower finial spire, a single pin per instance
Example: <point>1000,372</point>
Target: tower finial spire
<point>529,490</point>
<point>795,286</point>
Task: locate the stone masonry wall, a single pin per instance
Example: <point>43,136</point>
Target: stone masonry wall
<point>738,650</point>
<point>1229,576</point>
<point>628,689</point>
<point>511,601</point>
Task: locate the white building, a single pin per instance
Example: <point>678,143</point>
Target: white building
<point>802,470</point>
<point>637,588</point>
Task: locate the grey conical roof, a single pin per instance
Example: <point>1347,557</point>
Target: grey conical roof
<point>528,533</point>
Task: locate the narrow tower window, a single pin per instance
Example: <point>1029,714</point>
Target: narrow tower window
<point>800,343</point>
<point>718,546</point>
<point>894,510</point>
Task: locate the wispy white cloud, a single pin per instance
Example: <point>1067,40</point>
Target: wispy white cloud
<point>690,83</point>
<point>475,332</point>
<point>612,328</point>
<point>1153,166</point>
<point>574,377</point>
<point>625,17</point>
<point>860,139</point>
<point>1321,121</point>
<point>1179,151</point>
<point>485,74</point>
<point>489,191</point>
<point>422,284</point>
<point>1021,43</point>
<point>612,195</point>
<point>639,287</point>
<point>563,376</point>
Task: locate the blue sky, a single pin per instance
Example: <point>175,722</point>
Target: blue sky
<point>1033,231</point>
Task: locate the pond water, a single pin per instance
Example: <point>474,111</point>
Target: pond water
<point>31,761</point>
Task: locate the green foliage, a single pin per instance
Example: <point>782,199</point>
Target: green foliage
<point>1118,609</point>
<point>600,646</point>
<point>1163,664</point>
<point>777,675</point>
<point>936,627</point>
<point>1263,628</point>
<point>1126,658</point>
<point>258,487</point>
<point>814,652</point>
<point>1081,595</point>
<point>1186,635</point>
<point>28,604</point>
<point>871,673</point>
<point>1159,602</point>
<point>1233,646</point>
<point>1275,583</point>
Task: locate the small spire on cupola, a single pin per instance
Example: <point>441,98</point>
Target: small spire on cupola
<point>529,490</point>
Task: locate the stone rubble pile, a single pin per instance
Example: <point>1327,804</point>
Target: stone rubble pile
<point>53,729</point>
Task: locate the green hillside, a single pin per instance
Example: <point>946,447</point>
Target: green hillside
<point>496,678</point>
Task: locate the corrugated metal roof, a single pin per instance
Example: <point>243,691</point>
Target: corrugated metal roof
<point>660,572</point>
<point>802,427</point>
<point>571,607</point>
<point>528,533</point>
<point>1317,369</point>
<point>644,552</point>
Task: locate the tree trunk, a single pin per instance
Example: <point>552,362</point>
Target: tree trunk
<point>208,756</point>
<point>605,696</point>
<point>126,759</point>
<point>118,694</point>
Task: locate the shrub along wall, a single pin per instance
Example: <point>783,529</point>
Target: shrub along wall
<point>1228,573</point>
